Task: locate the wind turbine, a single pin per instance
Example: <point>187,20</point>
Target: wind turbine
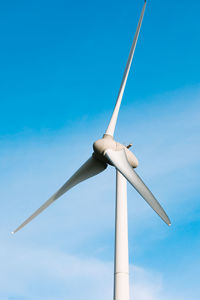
<point>107,151</point>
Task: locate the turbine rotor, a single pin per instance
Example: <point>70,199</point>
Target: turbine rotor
<point>109,151</point>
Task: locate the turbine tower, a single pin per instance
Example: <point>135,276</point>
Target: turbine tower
<point>107,151</point>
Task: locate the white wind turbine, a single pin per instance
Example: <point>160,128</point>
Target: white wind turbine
<point>109,152</point>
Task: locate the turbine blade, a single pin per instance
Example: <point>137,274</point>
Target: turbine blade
<point>111,127</point>
<point>89,169</point>
<point>120,161</point>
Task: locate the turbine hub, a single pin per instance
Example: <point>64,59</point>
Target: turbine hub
<point>107,142</point>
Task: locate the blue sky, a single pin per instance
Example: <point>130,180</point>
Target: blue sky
<point>61,68</point>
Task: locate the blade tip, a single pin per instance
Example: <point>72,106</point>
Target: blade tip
<point>13,232</point>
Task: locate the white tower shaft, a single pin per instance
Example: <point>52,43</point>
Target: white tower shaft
<point>121,269</point>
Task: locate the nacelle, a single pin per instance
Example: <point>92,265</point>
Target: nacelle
<point>107,142</point>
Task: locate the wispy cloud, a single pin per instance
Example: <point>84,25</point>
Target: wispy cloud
<point>63,276</point>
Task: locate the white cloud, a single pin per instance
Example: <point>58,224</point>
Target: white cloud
<point>35,273</point>
<point>146,284</point>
